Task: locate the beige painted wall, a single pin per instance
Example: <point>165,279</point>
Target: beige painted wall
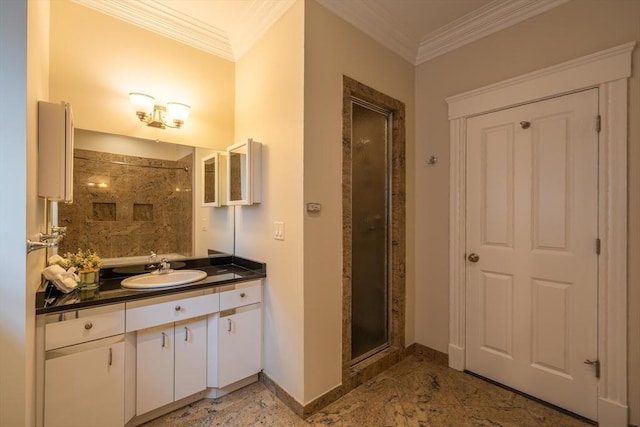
<point>569,31</point>
<point>24,53</point>
<point>334,48</point>
<point>269,109</point>
<point>37,89</point>
<point>96,60</point>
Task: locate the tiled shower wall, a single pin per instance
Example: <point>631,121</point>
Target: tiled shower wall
<point>128,209</point>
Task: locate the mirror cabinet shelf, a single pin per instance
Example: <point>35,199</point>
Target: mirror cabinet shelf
<point>214,176</point>
<point>244,171</point>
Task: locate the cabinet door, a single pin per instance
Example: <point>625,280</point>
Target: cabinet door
<point>239,344</point>
<point>212,350</point>
<point>84,385</point>
<point>154,373</point>
<point>190,357</point>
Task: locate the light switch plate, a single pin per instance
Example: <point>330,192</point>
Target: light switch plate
<point>279,230</point>
<point>314,207</point>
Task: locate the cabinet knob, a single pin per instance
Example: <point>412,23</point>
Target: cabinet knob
<point>178,308</point>
<point>88,325</point>
<point>242,295</point>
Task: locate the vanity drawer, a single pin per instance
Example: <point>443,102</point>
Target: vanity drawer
<point>78,326</point>
<point>158,311</point>
<point>243,294</point>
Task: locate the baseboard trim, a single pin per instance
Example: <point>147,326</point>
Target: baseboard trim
<point>282,394</point>
<point>456,357</point>
<point>358,375</point>
<point>612,414</point>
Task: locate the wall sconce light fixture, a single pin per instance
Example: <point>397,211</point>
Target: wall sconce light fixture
<point>158,116</point>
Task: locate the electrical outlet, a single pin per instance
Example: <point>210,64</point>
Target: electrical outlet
<point>279,230</point>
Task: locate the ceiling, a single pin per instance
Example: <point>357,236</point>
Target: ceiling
<point>417,30</point>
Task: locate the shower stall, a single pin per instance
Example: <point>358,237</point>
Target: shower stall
<point>370,230</point>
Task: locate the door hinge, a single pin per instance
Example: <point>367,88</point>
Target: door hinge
<point>595,364</point>
<point>598,123</point>
<point>598,246</point>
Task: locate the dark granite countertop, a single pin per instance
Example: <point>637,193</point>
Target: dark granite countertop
<point>221,270</point>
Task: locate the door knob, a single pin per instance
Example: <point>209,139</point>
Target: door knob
<point>473,257</point>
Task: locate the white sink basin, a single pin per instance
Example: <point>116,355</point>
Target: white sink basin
<point>157,280</point>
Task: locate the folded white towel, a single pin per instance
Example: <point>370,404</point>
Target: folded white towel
<point>57,259</point>
<point>64,280</point>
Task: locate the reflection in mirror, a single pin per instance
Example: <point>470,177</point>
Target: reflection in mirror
<point>244,173</point>
<point>133,196</point>
<point>237,170</point>
<point>213,178</point>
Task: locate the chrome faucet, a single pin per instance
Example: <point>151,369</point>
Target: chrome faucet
<point>164,266</point>
<point>46,241</point>
<point>34,246</point>
<point>56,235</point>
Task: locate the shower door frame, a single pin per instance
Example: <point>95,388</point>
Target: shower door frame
<point>396,197</point>
<point>388,143</point>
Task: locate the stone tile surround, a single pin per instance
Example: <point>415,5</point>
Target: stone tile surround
<point>138,209</point>
<point>352,376</point>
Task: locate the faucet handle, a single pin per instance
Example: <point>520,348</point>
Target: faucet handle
<point>56,235</point>
<point>52,237</point>
<point>60,231</point>
<point>164,266</point>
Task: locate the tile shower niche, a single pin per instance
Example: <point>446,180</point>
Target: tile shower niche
<point>142,212</point>
<point>104,212</point>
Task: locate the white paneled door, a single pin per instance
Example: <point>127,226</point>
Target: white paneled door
<point>531,281</point>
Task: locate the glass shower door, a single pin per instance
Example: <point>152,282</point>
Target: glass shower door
<point>370,229</point>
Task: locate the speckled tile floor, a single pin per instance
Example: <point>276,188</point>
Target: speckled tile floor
<point>415,392</point>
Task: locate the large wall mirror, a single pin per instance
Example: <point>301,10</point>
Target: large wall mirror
<point>133,196</point>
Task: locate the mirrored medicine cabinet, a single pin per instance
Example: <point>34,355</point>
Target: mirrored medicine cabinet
<point>214,177</point>
<point>244,173</point>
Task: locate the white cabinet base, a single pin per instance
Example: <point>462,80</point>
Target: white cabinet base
<point>154,376</point>
<point>171,363</point>
<point>144,418</point>
<point>239,344</point>
<point>84,384</point>
<point>190,357</point>
<point>214,393</point>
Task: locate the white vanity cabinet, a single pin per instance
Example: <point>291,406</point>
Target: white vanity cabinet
<point>239,344</point>
<point>191,358</point>
<point>84,385</point>
<point>84,365</point>
<point>171,358</point>
<point>124,364</point>
<point>237,330</point>
<point>154,368</point>
<point>171,363</point>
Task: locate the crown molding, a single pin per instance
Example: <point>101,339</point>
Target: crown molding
<point>493,17</point>
<point>163,20</point>
<point>374,20</point>
<point>370,17</point>
<point>168,22</point>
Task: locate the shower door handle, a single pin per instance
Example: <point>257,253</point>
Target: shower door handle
<point>473,257</point>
